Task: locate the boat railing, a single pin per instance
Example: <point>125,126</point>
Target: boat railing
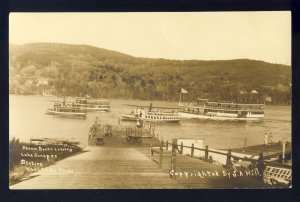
<point>99,102</point>
<point>162,113</point>
<point>71,109</point>
<point>227,108</point>
<point>90,101</point>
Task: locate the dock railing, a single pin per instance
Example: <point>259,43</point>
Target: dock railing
<point>137,132</point>
<point>225,158</point>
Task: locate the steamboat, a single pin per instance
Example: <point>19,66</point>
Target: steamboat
<point>204,109</point>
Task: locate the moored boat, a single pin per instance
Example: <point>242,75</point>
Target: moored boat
<point>154,114</point>
<point>161,117</point>
<point>66,110</point>
<point>203,109</point>
<point>92,104</point>
<point>130,117</point>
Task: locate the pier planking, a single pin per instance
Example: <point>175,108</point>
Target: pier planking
<point>127,167</point>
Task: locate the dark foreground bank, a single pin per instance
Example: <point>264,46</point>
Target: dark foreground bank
<point>28,157</point>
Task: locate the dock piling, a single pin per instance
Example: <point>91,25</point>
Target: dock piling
<point>161,155</point>
<point>181,148</point>
<point>206,153</point>
<point>173,158</point>
<point>228,160</point>
<point>283,152</point>
<point>192,150</point>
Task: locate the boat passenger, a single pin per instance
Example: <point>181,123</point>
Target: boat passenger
<point>266,139</point>
<point>138,124</point>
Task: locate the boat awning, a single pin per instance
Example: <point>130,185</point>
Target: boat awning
<point>201,99</point>
<point>153,107</point>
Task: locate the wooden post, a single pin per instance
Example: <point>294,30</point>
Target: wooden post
<point>181,148</point>
<point>283,152</point>
<point>167,145</point>
<point>206,153</point>
<point>228,160</point>
<point>174,145</point>
<point>192,150</point>
<point>173,158</point>
<point>161,156</point>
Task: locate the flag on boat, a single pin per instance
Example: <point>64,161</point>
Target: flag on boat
<point>183,90</point>
<point>268,98</point>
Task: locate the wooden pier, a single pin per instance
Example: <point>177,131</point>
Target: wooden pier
<point>147,164</point>
<point>271,150</point>
<point>132,167</point>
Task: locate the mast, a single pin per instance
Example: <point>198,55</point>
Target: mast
<point>179,98</point>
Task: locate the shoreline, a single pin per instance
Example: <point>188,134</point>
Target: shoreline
<point>129,99</point>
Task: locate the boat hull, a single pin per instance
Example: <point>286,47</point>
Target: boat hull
<point>161,118</point>
<point>93,108</point>
<point>50,112</point>
<point>97,109</point>
<point>129,117</point>
<point>163,121</point>
<point>185,115</point>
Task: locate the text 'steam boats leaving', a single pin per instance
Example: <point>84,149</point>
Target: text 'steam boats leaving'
<point>66,110</point>
<point>92,104</point>
<point>154,114</point>
<point>203,109</point>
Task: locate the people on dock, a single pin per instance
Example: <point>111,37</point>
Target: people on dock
<point>266,139</point>
<point>270,139</point>
<point>261,166</point>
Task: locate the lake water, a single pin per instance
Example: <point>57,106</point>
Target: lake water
<point>27,119</point>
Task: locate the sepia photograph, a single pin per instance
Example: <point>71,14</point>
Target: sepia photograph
<point>150,100</point>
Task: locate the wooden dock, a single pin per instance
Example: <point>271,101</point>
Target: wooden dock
<point>128,168</point>
<point>118,163</point>
<point>273,149</point>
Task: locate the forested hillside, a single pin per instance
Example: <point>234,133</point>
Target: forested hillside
<point>80,70</point>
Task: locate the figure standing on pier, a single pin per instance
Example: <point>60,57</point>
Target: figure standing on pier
<point>270,139</point>
<point>261,166</point>
<point>266,139</point>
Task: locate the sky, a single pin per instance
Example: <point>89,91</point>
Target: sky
<point>189,35</point>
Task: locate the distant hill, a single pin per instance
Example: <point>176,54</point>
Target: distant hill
<point>80,70</point>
